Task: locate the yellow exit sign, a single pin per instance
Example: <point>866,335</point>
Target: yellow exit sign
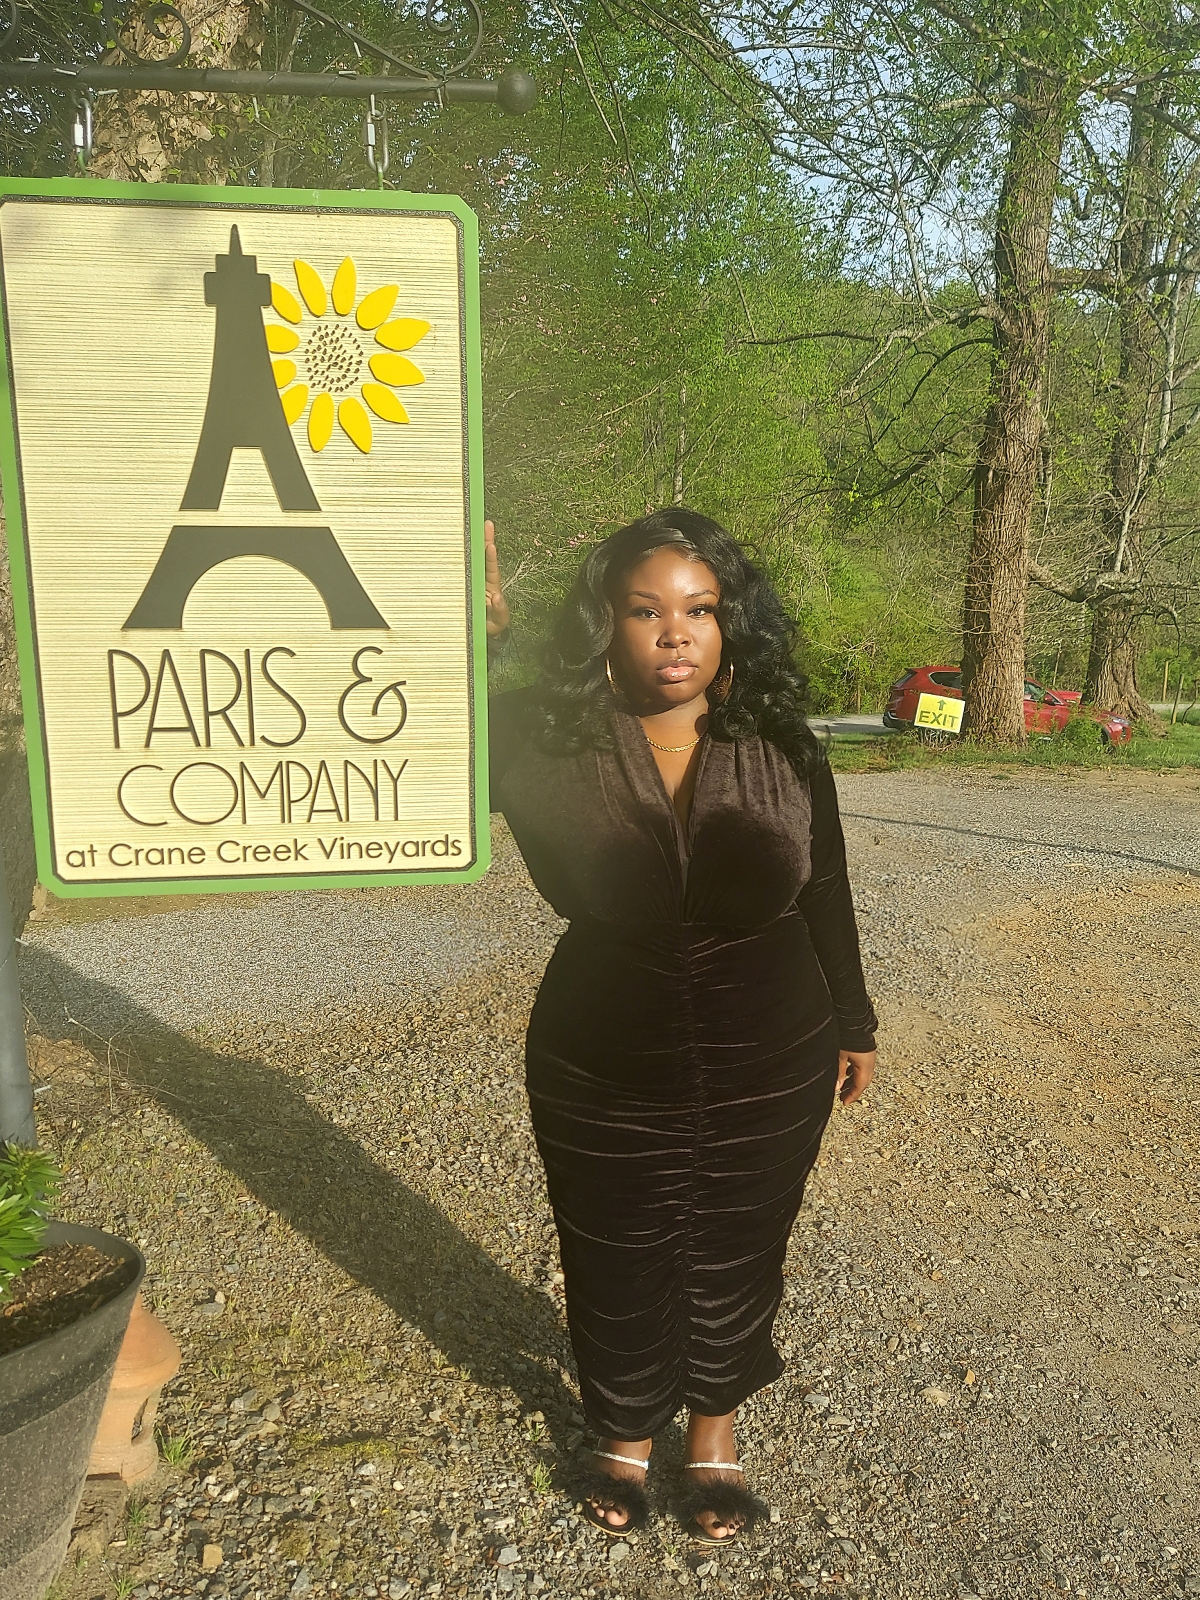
<point>939,713</point>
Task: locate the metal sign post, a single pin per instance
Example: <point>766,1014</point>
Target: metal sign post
<point>16,1091</point>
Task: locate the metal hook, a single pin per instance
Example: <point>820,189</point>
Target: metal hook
<point>81,132</point>
<point>377,140</point>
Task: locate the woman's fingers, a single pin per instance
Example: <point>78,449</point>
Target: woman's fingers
<point>497,605</point>
<point>843,1069</point>
<point>491,560</point>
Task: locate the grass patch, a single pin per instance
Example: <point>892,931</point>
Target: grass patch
<point>315,1450</point>
<point>137,1513</point>
<point>1078,747</point>
<point>177,1449</point>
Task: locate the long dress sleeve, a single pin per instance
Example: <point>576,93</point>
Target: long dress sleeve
<point>826,904</point>
<point>505,732</point>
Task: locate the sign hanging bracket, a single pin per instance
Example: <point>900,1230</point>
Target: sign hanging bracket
<point>81,131</point>
<point>123,67</point>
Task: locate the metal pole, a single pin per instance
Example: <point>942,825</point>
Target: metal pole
<point>16,1089</point>
<point>514,91</point>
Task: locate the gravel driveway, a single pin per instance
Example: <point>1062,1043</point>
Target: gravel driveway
<point>309,1110</point>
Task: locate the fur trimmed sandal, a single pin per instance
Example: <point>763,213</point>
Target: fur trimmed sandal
<point>736,1507</point>
<point>600,1491</point>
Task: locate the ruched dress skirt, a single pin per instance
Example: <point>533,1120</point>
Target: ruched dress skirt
<point>681,1070</point>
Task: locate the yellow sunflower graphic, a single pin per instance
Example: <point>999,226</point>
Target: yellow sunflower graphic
<point>328,361</point>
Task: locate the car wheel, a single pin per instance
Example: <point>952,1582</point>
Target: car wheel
<point>1105,739</point>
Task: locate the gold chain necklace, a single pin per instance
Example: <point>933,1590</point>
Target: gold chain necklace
<point>672,749</point>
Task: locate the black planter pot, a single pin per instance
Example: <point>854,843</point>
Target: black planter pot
<point>51,1396</point>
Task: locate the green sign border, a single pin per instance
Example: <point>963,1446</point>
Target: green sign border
<point>235,199</point>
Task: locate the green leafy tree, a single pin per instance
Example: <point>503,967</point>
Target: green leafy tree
<point>1129,545</point>
<point>946,134</point>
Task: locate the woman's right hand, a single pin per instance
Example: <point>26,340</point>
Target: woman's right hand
<point>856,1068</point>
<point>497,613</point>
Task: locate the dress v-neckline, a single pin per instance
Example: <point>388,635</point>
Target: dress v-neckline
<point>684,830</point>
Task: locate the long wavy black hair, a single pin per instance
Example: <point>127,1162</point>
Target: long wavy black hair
<point>572,704</point>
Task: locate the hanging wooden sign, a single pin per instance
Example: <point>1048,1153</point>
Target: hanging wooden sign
<point>241,470</point>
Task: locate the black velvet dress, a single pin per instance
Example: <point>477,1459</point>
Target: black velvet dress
<point>682,1053</point>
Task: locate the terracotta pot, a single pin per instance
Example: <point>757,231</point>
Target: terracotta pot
<point>125,1446</point>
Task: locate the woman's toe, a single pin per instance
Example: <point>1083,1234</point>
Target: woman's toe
<point>614,1516</point>
<point>717,1529</point>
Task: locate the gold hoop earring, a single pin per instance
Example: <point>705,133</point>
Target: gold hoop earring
<point>719,688</point>
<point>612,682</point>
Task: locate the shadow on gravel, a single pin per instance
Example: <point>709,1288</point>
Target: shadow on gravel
<point>318,1179</point>
<point>1063,846</point>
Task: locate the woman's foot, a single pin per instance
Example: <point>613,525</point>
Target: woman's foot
<point>614,1497</point>
<point>716,1505</point>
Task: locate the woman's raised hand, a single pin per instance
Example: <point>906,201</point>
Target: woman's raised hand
<point>497,606</point>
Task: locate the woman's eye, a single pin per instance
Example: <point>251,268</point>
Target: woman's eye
<point>702,611</point>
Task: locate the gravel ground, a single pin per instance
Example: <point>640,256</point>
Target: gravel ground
<point>308,1109</point>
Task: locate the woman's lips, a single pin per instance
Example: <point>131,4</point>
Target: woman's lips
<point>675,671</point>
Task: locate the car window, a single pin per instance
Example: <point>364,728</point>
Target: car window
<point>946,680</point>
<point>1034,691</point>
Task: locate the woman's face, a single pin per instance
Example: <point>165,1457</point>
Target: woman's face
<point>666,647</point>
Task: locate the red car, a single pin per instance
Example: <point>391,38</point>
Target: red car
<point>1046,710</point>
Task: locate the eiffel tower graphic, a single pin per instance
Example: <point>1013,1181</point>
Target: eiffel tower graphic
<point>244,412</point>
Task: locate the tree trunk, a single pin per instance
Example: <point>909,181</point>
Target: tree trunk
<point>656,434</point>
<point>1112,661</point>
<point>155,137</point>
<point>1006,474</point>
<point>680,449</point>
<point>1138,399</point>
<point>271,170</point>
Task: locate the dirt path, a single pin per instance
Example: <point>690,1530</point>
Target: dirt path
<point>991,1314</point>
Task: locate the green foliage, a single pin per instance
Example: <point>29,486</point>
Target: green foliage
<point>1179,663</point>
<point>674,309</point>
<point>29,1181</point>
<point>619,317</point>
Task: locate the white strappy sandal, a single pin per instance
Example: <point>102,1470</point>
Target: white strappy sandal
<point>615,1494</point>
<point>736,1507</point>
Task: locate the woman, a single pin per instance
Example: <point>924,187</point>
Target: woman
<point>706,1003</point>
